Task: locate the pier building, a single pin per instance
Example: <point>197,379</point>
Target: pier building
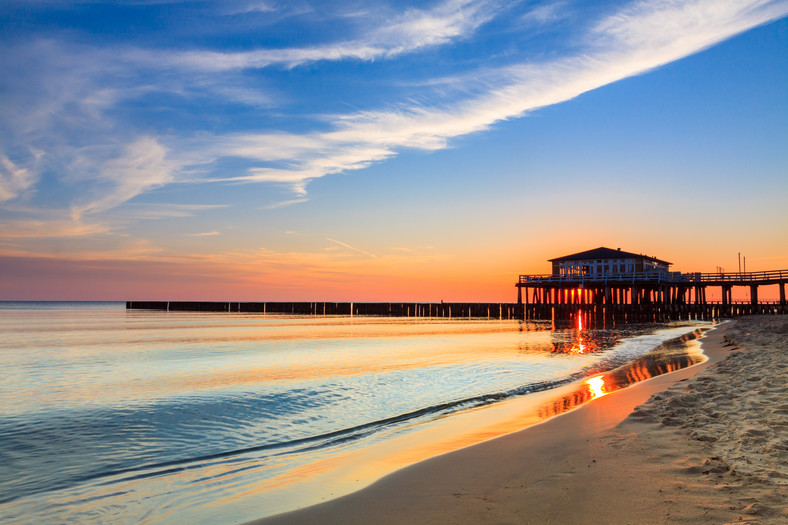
<point>604,261</point>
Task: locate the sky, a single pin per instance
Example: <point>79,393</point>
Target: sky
<point>303,150</point>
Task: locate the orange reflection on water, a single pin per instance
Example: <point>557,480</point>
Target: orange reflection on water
<point>580,347</point>
<point>581,343</point>
<point>671,356</point>
<point>596,385</point>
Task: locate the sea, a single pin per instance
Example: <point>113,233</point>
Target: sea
<point>110,415</point>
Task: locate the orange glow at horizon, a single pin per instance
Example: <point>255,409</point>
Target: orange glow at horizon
<point>311,274</point>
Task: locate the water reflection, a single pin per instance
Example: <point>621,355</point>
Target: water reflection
<point>596,386</point>
<point>579,341</point>
<point>352,467</point>
<point>669,357</point>
<point>117,416</point>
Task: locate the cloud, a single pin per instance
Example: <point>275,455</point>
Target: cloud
<point>546,13</point>
<point>349,247</point>
<point>141,167</point>
<point>127,249</point>
<point>251,7</point>
<point>148,211</point>
<point>635,40</point>
<point>68,111</point>
<point>283,204</point>
<point>203,234</point>
<point>410,31</point>
<point>14,181</point>
<point>51,229</point>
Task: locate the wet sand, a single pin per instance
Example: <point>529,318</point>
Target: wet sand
<point>707,444</point>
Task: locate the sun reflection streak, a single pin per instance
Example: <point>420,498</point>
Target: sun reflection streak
<point>580,347</point>
<point>596,385</point>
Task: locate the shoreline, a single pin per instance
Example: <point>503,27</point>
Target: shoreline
<point>613,459</point>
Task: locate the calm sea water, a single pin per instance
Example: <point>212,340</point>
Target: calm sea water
<point>108,415</point>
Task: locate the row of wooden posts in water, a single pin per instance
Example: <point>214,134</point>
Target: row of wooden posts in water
<point>409,309</point>
<point>643,311</point>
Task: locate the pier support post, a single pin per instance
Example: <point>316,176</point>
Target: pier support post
<point>754,294</point>
<point>726,290</point>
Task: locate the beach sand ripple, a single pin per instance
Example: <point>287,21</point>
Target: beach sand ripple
<point>734,420</point>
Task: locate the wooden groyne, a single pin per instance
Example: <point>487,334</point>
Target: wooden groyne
<point>448,310</point>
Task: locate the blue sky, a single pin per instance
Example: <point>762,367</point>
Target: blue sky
<point>345,143</point>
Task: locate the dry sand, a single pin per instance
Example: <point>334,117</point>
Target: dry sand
<point>708,444</point>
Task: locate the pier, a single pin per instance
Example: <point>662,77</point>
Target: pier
<point>647,296</point>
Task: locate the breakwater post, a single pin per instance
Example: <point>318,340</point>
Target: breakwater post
<point>447,310</point>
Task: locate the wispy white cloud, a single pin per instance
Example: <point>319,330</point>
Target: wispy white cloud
<point>635,40</point>
<point>148,211</point>
<point>127,249</point>
<point>203,234</point>
<point>85,85</point>
<point>250,7</point>
<point>543,14</point>
<point>51,229</point>
<point>14,181</point>
<point>285,203</point>
<point>407,32</point>
<point>142,167</point>
<point>246,96</point>
<point>349,247</point>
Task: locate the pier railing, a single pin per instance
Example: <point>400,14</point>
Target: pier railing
<point>743,278</point>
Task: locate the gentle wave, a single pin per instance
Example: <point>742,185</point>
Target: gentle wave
<point>94,420</point>
<point>342,436</point>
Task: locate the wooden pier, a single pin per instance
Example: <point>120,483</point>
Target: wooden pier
<point>652,296</point>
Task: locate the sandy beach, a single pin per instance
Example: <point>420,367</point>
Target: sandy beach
<point>706,444</point>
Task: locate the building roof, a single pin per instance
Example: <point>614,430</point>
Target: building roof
<point>605,253</point>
